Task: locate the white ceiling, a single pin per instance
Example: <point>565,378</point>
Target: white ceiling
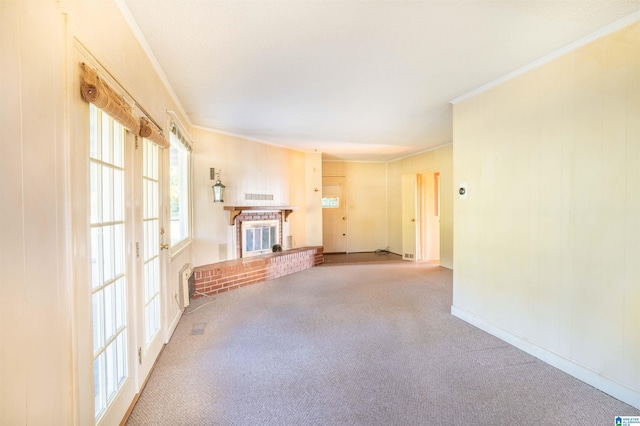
<point>356,80</point>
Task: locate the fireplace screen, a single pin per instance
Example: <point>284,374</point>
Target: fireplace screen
<point>258,237</point>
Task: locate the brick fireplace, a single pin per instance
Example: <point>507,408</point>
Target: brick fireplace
<point>240,214</point>
<point>232,274</point>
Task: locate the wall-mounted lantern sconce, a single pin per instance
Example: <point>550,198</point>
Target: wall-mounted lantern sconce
<point>218,188</point>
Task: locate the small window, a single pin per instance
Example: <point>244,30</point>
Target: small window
<point>330,202</point>
<point>179,186</point>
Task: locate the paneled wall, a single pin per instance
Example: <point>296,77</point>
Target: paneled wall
<point>547,251</point>
<point>313,194</point>
<point>35,293</point>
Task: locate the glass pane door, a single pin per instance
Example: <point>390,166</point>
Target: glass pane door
<point>108,275</point>
<point>151,226</point>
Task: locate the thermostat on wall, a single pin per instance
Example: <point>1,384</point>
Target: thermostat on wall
<point>463,190</point>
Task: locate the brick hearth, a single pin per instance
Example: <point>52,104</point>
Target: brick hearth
<point>232,274</point>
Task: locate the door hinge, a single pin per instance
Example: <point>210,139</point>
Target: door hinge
<point>136,141</point>
<point>137,249</point>
<point>139,355</point>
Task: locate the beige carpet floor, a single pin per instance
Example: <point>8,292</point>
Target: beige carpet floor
<point>368,257</point>
<point>363,344</point>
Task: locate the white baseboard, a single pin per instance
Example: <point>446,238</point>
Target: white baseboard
<point>172,326</point>
<point>569,366</point>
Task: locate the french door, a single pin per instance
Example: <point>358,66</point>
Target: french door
<point>149,336</point>
<point>111,269</point>
<point>125,263</point>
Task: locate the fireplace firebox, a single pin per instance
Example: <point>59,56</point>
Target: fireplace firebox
<point>259,236</point>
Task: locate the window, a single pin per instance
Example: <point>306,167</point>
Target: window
<point>330,202</point>
<point>179,185</point>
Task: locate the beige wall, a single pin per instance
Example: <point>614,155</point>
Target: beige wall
<point>367,197</point>
<point>313,191</point>
<point>437,160</point>
<point>546,244</point>
<point>248,167</point>
<point>35,303</point>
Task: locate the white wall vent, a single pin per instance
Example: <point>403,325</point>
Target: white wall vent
<point>259,197</point>
<point>222,252</point>
<point>183,285</point>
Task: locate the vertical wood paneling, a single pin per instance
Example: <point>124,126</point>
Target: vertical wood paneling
<point>565,139</point>
<point>313,187</point>
<point>631,299</point>
<point>247,167</point>
<point>614,191</point>
<point>549,241</point>
<point>36,317</point>
<point>13,295</point>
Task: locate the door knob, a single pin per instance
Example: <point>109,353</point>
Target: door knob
<point>413,220</point>
<point>344,235</point>
<point>344,218</point>
<point>164,246</point>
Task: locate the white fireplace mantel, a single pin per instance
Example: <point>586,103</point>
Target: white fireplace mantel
<point>234,211</point>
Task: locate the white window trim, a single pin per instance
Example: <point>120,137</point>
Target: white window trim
<point>177,128</point>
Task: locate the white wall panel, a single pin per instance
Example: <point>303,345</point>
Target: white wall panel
<point>543,252</point>
<point>35,315</point>
<point>313,188</point>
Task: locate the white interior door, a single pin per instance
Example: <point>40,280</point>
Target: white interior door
<point>334,214</point>
<point>410,217</point>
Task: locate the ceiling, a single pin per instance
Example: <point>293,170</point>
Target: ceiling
<point>355,80</point>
